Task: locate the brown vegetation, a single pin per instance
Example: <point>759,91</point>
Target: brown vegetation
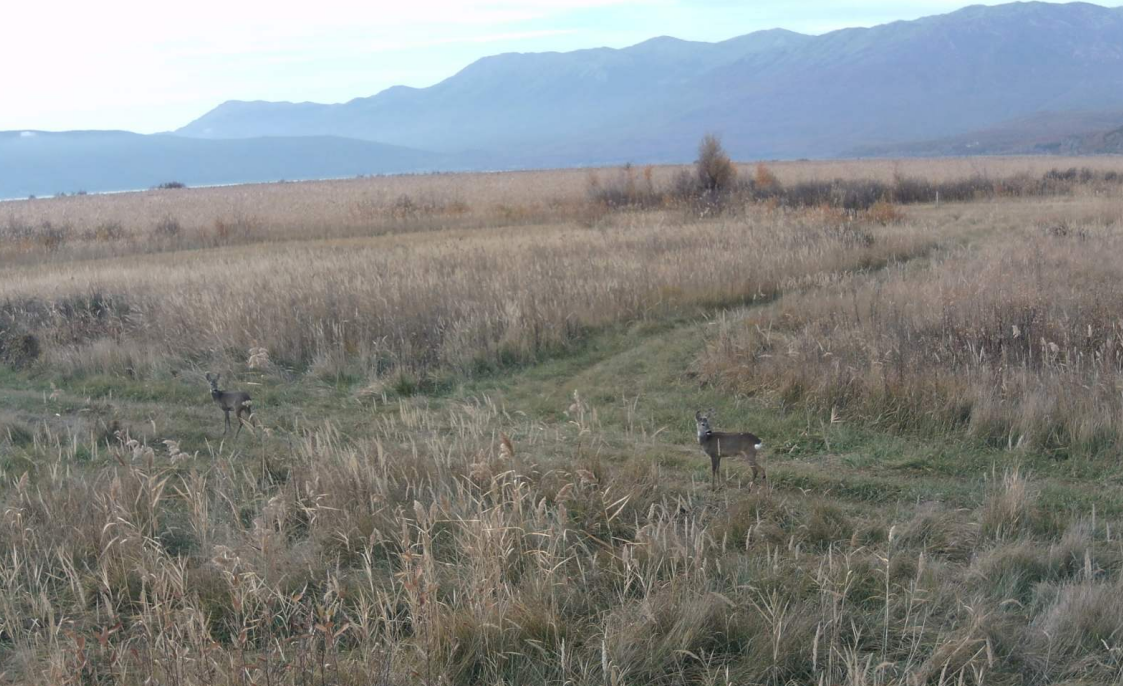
<point>459,560</point>
<point>423,298</point>
<point>1014,338</point>
<point>399,513</point>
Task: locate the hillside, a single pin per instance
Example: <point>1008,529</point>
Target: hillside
<point>1066,133</point>
<point>771,94</point>
<point>1102,143</point>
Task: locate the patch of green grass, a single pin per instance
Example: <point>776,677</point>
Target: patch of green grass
<point>844,503</point>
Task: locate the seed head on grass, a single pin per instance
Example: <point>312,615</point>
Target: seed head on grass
<point>1009,506</point>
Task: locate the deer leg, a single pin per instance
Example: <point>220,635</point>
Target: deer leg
<point>715,465</point>
<point>238,416</point>
<point>749,459</point>
<point>226,413</point>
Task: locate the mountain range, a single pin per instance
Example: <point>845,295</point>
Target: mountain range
<point>770,94</point>
<point>933,85</point>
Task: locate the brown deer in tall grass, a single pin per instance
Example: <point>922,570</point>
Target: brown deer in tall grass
<point>718,444</point>
<point>238,402</point>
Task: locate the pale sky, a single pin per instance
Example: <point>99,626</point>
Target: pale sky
<point>148,66</point>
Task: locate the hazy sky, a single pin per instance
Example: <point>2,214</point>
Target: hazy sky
<point>152,66</point>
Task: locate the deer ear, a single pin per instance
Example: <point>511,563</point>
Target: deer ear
<point>208,375</point>
<point>697,415</point>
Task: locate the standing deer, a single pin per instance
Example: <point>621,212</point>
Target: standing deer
<point>718,444</point>
<point>238,402</point>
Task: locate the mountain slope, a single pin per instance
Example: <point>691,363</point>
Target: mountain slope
<point>1043,133</point>
<point>932,77</point>
<point>1102,143</point>
<point>507,100</point>
<point>38,163</point>
<point>771,94</point>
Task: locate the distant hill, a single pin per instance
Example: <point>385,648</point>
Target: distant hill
<point>1068,133</point>
<point>1022,77</point>
<point>39,163</point>
<point>1102,143</point>
<point>771,94</point>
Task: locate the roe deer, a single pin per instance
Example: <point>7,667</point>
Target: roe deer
<point>238,402</point>
<point>718,444</point>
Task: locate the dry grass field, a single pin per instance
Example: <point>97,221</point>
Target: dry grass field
<point>472,457</point>
<point>128,222</point>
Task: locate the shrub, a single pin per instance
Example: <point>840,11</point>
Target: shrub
<point>168,227</point>
<point>625,190</point>
<point>170,185</point>
<point>108,231</point>
<point>715,171</point>
<point>1061,175</point>
<point>908,190</point>
<point>683,185</point>
<point>805,194</point>
<point>405,207</point>
<point>52,236</point>
<point>884,212</point>
<point>408,207</point>
<point>18,348</point>
<point>16,230</point>
<point>237,227</point>
<point>764,178</point>
<point>848,195</point>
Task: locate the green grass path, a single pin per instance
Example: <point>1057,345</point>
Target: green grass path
<point>637,377</point>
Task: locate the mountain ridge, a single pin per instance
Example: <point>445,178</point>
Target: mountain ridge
<point>933,85</point>
<point>773,93</point>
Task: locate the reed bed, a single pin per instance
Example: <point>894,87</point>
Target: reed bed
<point>1015,339</point>
<point>103,226</point>
<point>416,303</point>
<point>425,282</point>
